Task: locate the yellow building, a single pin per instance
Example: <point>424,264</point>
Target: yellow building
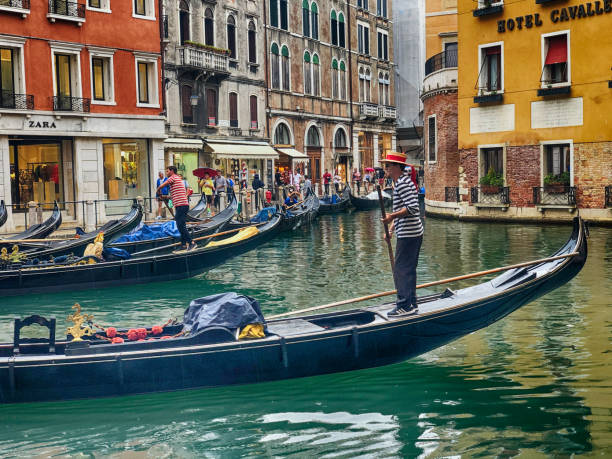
<point>535,109</point>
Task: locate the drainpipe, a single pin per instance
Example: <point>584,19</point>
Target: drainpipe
<point>161,52</point>
<point>350,69</point>
<point>266,62</point>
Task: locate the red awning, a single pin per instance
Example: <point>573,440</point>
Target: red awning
<point>557,50</point>
<point>493,50</point>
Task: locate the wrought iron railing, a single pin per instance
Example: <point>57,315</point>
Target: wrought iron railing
<point>558,195</point>
<point>486,195</point>
<point>63,8</point>
<point>71,104</point>
<point>451,194</point>
<point>444,60</point>
<point>16,101</point>
<point>22,4</point>
<point>608,196</point>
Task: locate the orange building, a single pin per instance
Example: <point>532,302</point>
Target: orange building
<point>81,103</point>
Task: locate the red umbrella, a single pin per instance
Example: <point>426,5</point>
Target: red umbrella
<point>369,169</point>
<point>199,173</point>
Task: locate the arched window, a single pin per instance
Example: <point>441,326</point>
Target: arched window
<point>286,73</point>
<point>361,84</point>
<point>231,36</point>
<point>186,107</point>
<point>282,135</point>
<point>341,33</point>
<point>184,20</point>
<point>275,66</point>
<point>307,73</point>
<point>312,138</point>
<point>233,109</point>
<point>367,90</point>
<point>340,139</point>
<point>253,109</point>
<point>342,81</point>
<point>314,21</point>
<point>316,76</point>
<point>335,94</point>
<point>211,106</point>
<point>252,43</point>
<point>381,89</point>
<point>274,13</point>
<point>209,27</point>
<point>387,88</point>
<point>305,19</point>
<point>334,28</point>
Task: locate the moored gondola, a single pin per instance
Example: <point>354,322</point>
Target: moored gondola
<point>160,265</point>
<point>38,231</point>
<point>194,214</point>
<point>204,227</point>
<point>31,370</point>
<point>3,213</point>
<point>302,213</point>
<point>329,205</point>
<point>369,202</point>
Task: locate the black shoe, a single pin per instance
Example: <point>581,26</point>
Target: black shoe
<point>403,311</point>
<point>192,246</point>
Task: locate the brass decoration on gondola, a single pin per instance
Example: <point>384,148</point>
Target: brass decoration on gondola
<point>78,330</point>
<point>14,257</point>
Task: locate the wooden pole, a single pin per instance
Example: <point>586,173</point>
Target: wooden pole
<point>387,234</point>
<point>296,204</point>
<point>428,284</point>
<point>168,207</point>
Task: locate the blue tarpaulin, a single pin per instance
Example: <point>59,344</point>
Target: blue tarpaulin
<point>264,215</point>
<point>150,232</point>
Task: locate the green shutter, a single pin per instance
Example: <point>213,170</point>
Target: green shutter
<point>306,56</point>
<point>285,51</point>
<point>315,59</point>
<point>314,8</point>
<point>333,15</point>
<point>342,66</point>
<point>335,64</point>
<point>274,48</point>
<point>341,17</point>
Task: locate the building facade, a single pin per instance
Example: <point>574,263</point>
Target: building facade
<point>80,104</point>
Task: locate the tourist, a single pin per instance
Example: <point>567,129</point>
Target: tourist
<point>367,180</point>
<point>278,178</point>
<point>162,196</point>
<point>297,180</point>
<point>337,180</point>
<point>230,182</point>
<point>357,179</point>
<point>220,184</point>
<point>178,193</point>
<point>307,185</point>
<point>326,179</point>
<point>292,199</point>
<point>208,189</point>
<point>405,221</point>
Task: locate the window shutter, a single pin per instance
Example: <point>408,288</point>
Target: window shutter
<point>211,106</point>
<point>233,109</point>
<point>253,103</point>
<point>557,50</point>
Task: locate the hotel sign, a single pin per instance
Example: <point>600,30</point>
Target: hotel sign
<point>568,13</point>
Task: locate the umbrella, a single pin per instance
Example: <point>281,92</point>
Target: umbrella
<point>369,169</point>
<point>199,173</point>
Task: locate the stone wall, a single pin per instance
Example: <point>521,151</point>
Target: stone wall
<point>592,173</point>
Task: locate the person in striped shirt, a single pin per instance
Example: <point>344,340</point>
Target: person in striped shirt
<point>406,222</point>
<point>178,194</point>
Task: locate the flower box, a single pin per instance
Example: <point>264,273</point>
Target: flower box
<point>555,188</point>
<point>490,189</point>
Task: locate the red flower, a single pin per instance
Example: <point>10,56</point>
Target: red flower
<point>142,333</point>
<point>111,332</point>
<point>132,334</point>
<point>157,329</point>
<point>117,340</point>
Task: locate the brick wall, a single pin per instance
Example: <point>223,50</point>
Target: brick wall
<point>522,173</point>
<point>444,172</point>
<point>592,173</point>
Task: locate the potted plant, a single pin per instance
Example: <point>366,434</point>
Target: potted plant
<point>492,182</point>
<point>556,183</point>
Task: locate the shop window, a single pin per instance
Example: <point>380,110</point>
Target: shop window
<point>341,32</point>
<point>144,8</point>
<point>381,8</point>
<point>383,45</point>
<point>307,74</point>
<point>490,78</point>
<point>334,28</point>
<point>282,135</point>
<point>252,37</point>
<point>556,68</point>
<point>102,87</point>
<point>253,109</point>
<point>286,72</point>
<point>233,109</point>
<point>147,89</point>
<point>187,108</point>
<point>211,106</point>
<point>492,159</point>
<point>432,134</point>
<point>557,159</point>
<point>231,36</point>
<point>316,76</point>
<point>209,27</point>
<point>363,39</point>
<point>184,22</point>
<point>275,66</point>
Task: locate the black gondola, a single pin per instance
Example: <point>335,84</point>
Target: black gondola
<point>160,266</point>
<point>38,231</point>
<point>3,213</point>
<point>209,226</point>
<point>295,347</point>
<point>303,213</point>
<point>361,203</point>
<point>112,230</point>
<point>194,214</point>
<point>327,206</point>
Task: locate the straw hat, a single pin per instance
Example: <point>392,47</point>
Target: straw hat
<point>395,157</point>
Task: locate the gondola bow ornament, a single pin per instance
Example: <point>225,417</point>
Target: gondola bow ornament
<point>78,330</point>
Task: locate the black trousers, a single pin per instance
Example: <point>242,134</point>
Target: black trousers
<point>326,185</point>
<point>180,214</point>
<point>404,275</point>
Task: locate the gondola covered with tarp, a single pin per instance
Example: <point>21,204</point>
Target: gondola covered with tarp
<point>335,204</point>
<point>3,213</point>
<point>37,231</point>
<point>209,348</point>
<point>147,237</point>
<point>369,201</point>
<point>154,266</point>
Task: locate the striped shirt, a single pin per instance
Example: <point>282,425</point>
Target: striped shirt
<point>405,196</point>
<point>178,192</point>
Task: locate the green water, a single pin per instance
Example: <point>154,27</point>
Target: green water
<point>536,384</point>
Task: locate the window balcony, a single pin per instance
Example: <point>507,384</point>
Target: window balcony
<point>66,11</point>
<point>388,112</point>
<point>487,7</point>
<point>16,6</point>
<point>440,72</point>
<point>555,196</point>
<point>487,96</point>
<point>443,60</point>
<point>71,104</point>
<point>199,58</point>
<point>367,110</point>
<point>14,101</point>
<point>451,194</point>
<point>490,196</point>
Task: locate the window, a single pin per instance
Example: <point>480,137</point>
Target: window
<point>383,46</point>
<point>102,84</point>
<point>432,147</point>
<point>284,22</point>
<point>187,108</point>
<point>335,79</point>
<point>97,76</point>
<point>492,158</point>
<point>278,14</point>
<point>63,81</point>
<point>282,135</point>
<point>184,21</point>
<point>209,28</point>
<point>231,36</point>
<point>556,68</point>
<point>340,139</point>
<point>253,108</point>
<point>307,74</point>
<point>450,54</point>
<point>362,4</point>
<point>7,77</point>
<point>491,76</point>
<point>383,89</point>
<point>361,84</point>
<point>233,109</point>
<point>314,21</point>
<point>381,8</point>
<point>363,39</point>
<point>367,89</point>
<point>252,36</point>
<point>312,138</point>
<point>274,13</point>
<point>144,8</point>
<point>341,33</point>
<point>316,76</point>
<point>94,4</point>
<point>557,159</point>
<point>275,66</point>
<point>305,18</point>
<point>211,106</point>
<point>342,81</point>
<point>147,80</point>
<point>67,78</point>
<point>285,64</point>
<point>334,28</point>
<point>143,83</point>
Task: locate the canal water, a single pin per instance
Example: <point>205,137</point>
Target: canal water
<point>536,384</point>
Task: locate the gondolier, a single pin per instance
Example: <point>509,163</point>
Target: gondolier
<point>408,228</point>
<point>178,194</point>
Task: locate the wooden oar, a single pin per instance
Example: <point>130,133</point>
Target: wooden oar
<point>168,207</point>
<point>387,234</point>
<point>428,284</point>
<point>25,241</point>
<point>201,238</point>
<point>296,204</point>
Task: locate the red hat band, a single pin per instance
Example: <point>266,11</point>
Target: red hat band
<point>396,157</point>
